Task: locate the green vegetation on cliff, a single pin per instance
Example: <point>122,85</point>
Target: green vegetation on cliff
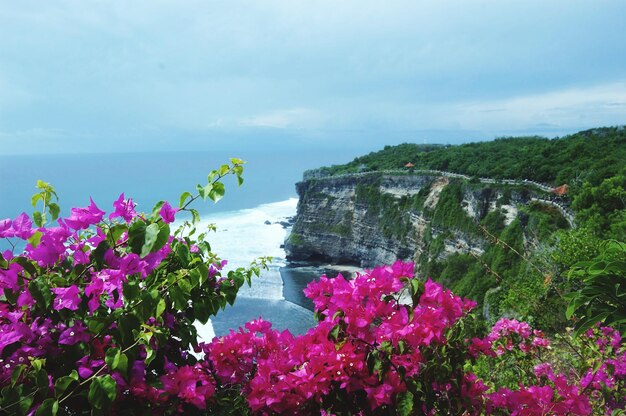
<point>591,155</point>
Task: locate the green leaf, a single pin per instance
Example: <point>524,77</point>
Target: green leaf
<point>42,185</point>
<point>48,407</point>
<point>203,191</point>
<point>150,239</point>
<point>146,308</point>
<point>40,292</point>
<point>102,392</point>
<point>160,308</point>
<point>162,237</point>
<point>97,256</point>
<point>27,264</point>
<point>238,170</point>
<point>127,324</point>
<point>112,358</point>
<point>334,333</point>
<point>236,161</point>
<point>62,383</point>
<point>137,236</point>
<point>195,216</point>
<point>224,169</point>
<point>587,323</point>
<point>96,325</point>
<point>35,239</point>
<point>185,286</point>
<point>202,311</point>
<point>182,252</point>
<point>17,372</point>
<point>178,298</point>
<point>115,233</point>
<point>38,219</point>
<point>239,180</point>
<point>239,279</point>
<point>157,207</point>
<point>54,210</point>
<point>230,291</point>
<point>217,192</point>
<point>35,198</point>
<point>404,403</point>
<point>41,379</point>
<point>123,363</point>
<point>38,364</point>
<point>183,197</point>
<point>131,290</point>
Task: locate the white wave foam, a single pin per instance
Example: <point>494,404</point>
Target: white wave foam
<point>245,235</point>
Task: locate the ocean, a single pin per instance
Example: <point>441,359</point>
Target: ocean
<point>241,237</point>
<point>267,195</point>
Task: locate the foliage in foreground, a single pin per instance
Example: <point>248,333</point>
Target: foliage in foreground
<point>96,316</point>
<point>602,295</point>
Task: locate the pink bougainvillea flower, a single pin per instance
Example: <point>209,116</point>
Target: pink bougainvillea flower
<point>6,230</point>
<point>131,264</point>
<point>51,247</point>
<point>22,226</point>
<point>66,298</point>
<point>8,277</point>
<point>25,299</point>
<point>75,334</point>
<point>86,366</point>
<point>94,290</point>
<point>124,208</point>
<point>168,213</point>
<point>191,384</point>
<point>82,218</point>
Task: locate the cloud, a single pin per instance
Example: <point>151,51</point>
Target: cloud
<point>282,119</point>
<point>155,68</point>
<point>580,106</point>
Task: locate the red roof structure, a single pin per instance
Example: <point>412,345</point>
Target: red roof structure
<point>561,190</point>
<point>409,165</point>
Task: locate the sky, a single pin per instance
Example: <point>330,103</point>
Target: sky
<point>108,76</point>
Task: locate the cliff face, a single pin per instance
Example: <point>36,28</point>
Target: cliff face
<point>376,218</point>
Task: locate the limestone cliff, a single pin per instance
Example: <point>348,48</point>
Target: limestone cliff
<point>375,218</point>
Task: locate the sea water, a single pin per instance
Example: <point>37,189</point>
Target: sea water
<point>241,237</point>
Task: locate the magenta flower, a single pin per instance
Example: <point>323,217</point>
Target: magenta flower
<point>191,384</point>
<point>124,208</point>
<point>82,218</point>
<point>167,213</point>
<point>51,247</point>
<point>131,264</point>
<point>94,290</point>
<point>9,337</point>
<point>66,298</point>
<point>86,366</point>
<point>22,225</point>
<point>75,334</point>
<point>8,277</point>
<point>25,299</point>
<point>6,231</point>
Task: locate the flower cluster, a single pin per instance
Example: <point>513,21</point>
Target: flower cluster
<point>375,351</point>
<point>95,310</point>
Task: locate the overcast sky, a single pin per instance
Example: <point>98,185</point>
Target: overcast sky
<point>90,76</point>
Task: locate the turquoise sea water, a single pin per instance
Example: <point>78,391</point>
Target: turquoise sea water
<point>147,178</point>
